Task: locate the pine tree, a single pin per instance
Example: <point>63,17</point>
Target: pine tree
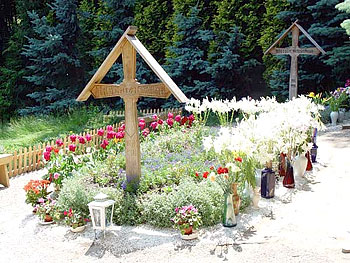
<point>317,73</point>
<point>55,67</point>
<point>13,86</point>
<point>228,68</point>
<point>345,7</point>
<point>189,63</point>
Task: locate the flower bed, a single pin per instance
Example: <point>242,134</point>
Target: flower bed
<point>183,161</point>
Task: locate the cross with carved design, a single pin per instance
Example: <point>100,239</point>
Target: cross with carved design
<point>130,91</point>
<point>294,51</point>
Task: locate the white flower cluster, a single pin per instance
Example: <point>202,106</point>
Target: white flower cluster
<point>278,127</point>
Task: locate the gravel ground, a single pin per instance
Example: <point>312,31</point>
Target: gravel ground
<point>307,224</point>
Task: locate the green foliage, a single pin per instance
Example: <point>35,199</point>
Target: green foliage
<point>345,7</point>
<point>205,196</point>
<point>55,68</point>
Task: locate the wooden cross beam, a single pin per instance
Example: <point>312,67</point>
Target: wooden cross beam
<point>130,91</point>
<point>294,51</point>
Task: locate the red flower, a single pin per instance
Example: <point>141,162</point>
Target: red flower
<point>56,150</point>
<point>205,175</point>
<point>72,147</point>
<point>100,132</point>
<point>145,132</point>
<point>211,168</point>
<point>184,120</point>
<point>47,156</point>
<point>109,128</point>
<point>73,137</point>
<point>88,137</point>
<point>142,125</point>
<point>170,122</point>
<point>155,117</point>
<point>191,118</point>
<point>238,159</point>
<point>81,140</point>
<point>122,127</point>
<point>178,118</point>
<point>225,170</point>
<point>220,170</point>
<point>154,125</point>
<point>48,148</point>
<point>197,175</point>
<point>120,135</point>
<point>59,142</point>
<point>110,134</point>
<point>160,121</point>
<point>103,145</point>
<point>65,213</point>
<point>170,115</point>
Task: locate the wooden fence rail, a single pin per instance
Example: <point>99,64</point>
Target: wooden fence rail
<point>29,159</point>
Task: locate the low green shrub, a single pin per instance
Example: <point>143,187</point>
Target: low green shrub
<point>207,197</point>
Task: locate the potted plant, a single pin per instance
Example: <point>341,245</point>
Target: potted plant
<point>75,220</point>
<point>35,190</point>
<point>46,211</point>
<point>336,99</point>
<point>187,220</point>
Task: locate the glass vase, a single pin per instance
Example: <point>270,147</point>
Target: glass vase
<point>229,218</point>
<point>268,182</point>
<point>288,180</point>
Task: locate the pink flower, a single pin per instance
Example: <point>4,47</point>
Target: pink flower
<point>100,132</point>
<point>41,200</point>
<point>155,117</point>
<point>109,128</point>
<point>178,118</point>
<point>82,140</point>
<point>154,125</point>
<point>73,138</point>
<point>191,118</point>
<point>160,121</point>
<point>120,135</point>
<point>142,120</point>
<point>72,147</point>
<point>142,125</point>
<point>48,148</point>
<point>170,115</point>
<point>47,156</point>
<point>145,132</point>
<point>56,175</point>
<point>104,144</point>
<point>65,213</point>
<point>59,142</point>
<point>88,137</point>
<point>170,122</point>
<point>110,134</point>
<point>122,127</point>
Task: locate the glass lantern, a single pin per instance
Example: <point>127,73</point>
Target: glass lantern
<point>98,214</point>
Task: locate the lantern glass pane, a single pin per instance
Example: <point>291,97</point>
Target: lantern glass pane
<point>96,213</point>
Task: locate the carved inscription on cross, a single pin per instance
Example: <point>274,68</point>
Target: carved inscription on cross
<point>130,91</point>
<point>294,51</point>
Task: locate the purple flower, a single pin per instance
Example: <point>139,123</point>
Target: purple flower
<point>41,200</point>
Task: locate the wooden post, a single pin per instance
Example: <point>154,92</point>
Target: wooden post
<point>293,77</point>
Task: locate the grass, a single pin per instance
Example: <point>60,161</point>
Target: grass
<point>29,130</point>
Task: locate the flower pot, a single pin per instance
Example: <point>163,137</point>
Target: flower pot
<point>268,182</point>
<point>309,163</point>
<point>334,117</point>
<point>77,229</point>
<point>288,180</point>
<point>191,236</point>
<point>256,197</point>
<point>235,198</point>
<point>299,165</point>
<point>229,218</point>
<point>48,218</point>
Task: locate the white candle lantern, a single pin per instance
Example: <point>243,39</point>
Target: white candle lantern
<point>98,209</point>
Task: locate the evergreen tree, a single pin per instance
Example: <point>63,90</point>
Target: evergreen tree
<point>272,27</point>
<point>55,67</point>
<point>345,7</point>
<point>189,64</point>
<point>317,73</point>
<point>229,69</point>
<point>13,86</point>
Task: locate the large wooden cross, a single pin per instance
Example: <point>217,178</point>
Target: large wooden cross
<point>130,91</point>
<point>294,51</point>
